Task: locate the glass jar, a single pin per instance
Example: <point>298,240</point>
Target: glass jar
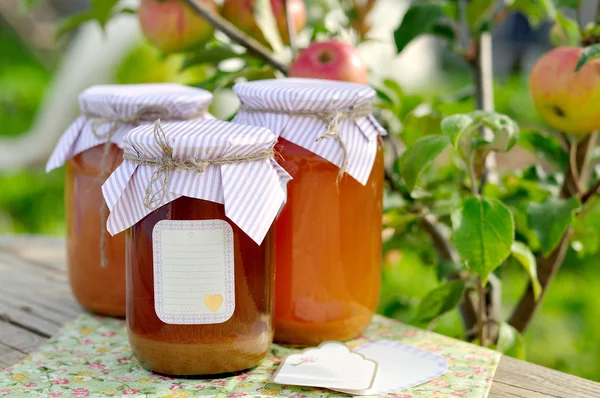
<point>239,343</point>
<point>99,288</point>
<point>189,313</point>
<point>329,232</point>
<point>328,250</point>
<point>91,151</point>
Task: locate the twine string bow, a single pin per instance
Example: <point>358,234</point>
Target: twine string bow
<point>331,118</point>
<point>165,165</point>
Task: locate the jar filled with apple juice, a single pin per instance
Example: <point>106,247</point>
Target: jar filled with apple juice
<point>329,232</point>
<point>198,200</point>
<point>91,150</point>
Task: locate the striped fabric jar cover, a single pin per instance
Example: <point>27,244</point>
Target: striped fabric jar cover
<point>304,95</point>
<point>124,101</point>
<point>253,192</point>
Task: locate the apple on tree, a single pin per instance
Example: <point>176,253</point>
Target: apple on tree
<point>171,26</point>
<point>569,101</point>
<point>332,60</point>
<point>241,14</point>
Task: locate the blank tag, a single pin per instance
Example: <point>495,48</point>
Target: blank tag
<point>193,271</point>
<point>400,367</point>
<point>331,365</point>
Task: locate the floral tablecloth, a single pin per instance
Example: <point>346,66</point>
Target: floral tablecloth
<point>91,357</point>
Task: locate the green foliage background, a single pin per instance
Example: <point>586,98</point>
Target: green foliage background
<point>564,334</point>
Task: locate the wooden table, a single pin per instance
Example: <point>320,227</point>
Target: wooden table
<point>35,301</point>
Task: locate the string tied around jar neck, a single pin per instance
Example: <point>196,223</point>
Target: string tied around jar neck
<point>166,164</point>
<point>146,114</point>
<point>331,118</point>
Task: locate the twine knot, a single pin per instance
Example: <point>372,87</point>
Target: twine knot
<point>166,164</point>
<point>146,114</point>
<point>331,118</point>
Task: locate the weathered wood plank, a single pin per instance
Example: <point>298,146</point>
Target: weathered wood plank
<point>43,250</point>
<point>516,378</point>
<point>16,343</point>
<point>35,292</point>
<point>19,338</point>
<point>35,297</point>
<point>9,356</point>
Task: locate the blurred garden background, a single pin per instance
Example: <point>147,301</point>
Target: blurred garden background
<point>429,76</point>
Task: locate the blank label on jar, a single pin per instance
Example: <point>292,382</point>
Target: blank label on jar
<point>193,271</point>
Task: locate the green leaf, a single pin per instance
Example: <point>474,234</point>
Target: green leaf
<point>221,80</point>
<point>420,18</point>
<point>29,4</point>
<point>536,11</point>
<point>589,53</point>
<point>439,301</point>
<point>550,220</point>
<point>265,19</point>
<point>531,9</point>
<point>545,147</point>
<point>103,10</point>
<point>453,126</point>
<point>484,232</point>
<point>388,103</point>
<point>523,254</point>
<point>505,129</point>
<point>548,7</point>
<point>572,4</point>
<point>420,155</point>
<point>211,55</point>
<point>446,268</point>
<point>464,132</point>
<point>73,22</point>
<point>478,12</point>
<point>415,127</point>
<point>510,341</point>
<point>444,31</point>
<point>565,32</point>
<point>100,11</point>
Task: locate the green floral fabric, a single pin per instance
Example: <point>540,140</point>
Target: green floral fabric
<point>91,357</point>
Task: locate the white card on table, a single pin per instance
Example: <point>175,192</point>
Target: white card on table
<point>193,271</point>
<point>331,365</point>
<point>400,367</point>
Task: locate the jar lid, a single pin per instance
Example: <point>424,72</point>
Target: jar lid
<point>108,112</point>
<point>304,94</point>
<point>329,118</point>
<point>118,100</point>
<point>206,159</point>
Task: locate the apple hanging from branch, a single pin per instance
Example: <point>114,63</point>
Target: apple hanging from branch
<point>241,14</point>
<point>332,60</point>
<point>568,100</point>
<point>172,26</point>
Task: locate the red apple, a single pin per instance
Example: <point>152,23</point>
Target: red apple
<point>332,60</point>
<point>567,100</point>
<point>241,14</point>
<point>172,26</point>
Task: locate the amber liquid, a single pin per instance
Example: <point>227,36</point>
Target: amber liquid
<point>100,289</point>
<point>239,343</point>
<point>328,250</point>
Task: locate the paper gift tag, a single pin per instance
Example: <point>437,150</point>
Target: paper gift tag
<point>399,367</point>
<point>331,365</point>
<point>193,271</point>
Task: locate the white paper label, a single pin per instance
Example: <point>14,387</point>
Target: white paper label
<point>400,367</point>
<point>331,365</point>
<point>193,271</point>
